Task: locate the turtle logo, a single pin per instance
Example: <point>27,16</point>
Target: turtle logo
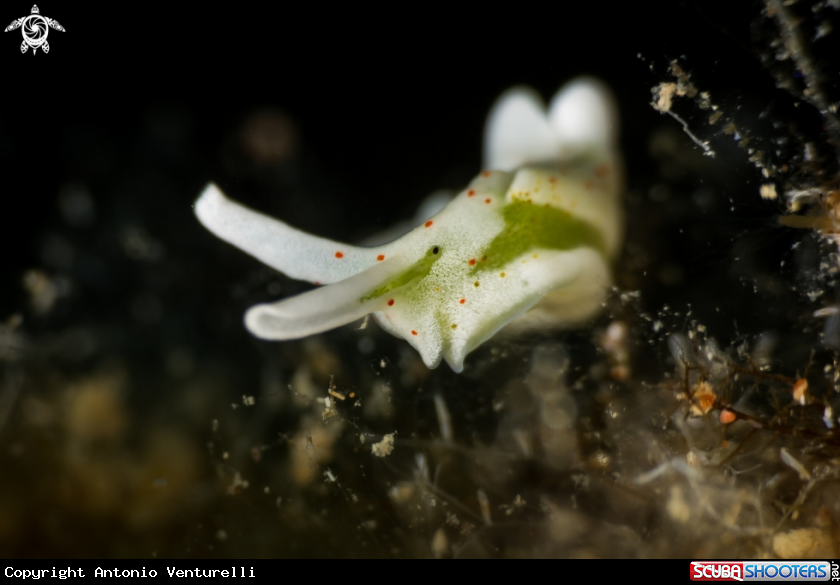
<point>35,29</point>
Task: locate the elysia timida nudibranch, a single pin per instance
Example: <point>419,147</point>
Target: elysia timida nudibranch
<point>527,244</point>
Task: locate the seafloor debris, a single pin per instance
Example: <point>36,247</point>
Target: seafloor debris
<point>384,447</point>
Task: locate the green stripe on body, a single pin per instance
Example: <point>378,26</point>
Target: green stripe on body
<point>418,270</point>
<point>530,227</point>
<point>527,227</point>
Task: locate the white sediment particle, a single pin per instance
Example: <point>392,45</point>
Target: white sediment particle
<point>238,484</point>
<point>677,507</point>
<point>444,419</point>
<point>768,191</point>
<point>803,543</point>
<point>329,410</point>
<point>440,544</point>
<point>828,417</point>
<point>484,504</point>
<point>664,93</point>
<point>794,464</point>
<point>384,447</point>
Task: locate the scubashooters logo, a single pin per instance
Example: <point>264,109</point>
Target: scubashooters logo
<point>764,571</point>
<point>35,29</point>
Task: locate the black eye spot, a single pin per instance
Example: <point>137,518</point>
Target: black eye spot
<point>435,250</point>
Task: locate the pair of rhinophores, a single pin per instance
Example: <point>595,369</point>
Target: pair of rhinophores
<point>527,244</point>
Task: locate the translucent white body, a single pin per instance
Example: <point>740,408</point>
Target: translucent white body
<point>528,242</point>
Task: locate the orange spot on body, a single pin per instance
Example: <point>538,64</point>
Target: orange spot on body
<point>552,179</point>
<point>488,201</point>
<point>727,416</point>
<point>602,171</point>
<point>429,223</point>
<point>316,282</point>
<point>380,258</point>
<point>391,302</point>
<point>413,332</point>
<point>339,255</point>
<point>462,301</point>
<point>486,174</point>
<point>588,185</point>
<point>471,193</point>
<point>472,261</point>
